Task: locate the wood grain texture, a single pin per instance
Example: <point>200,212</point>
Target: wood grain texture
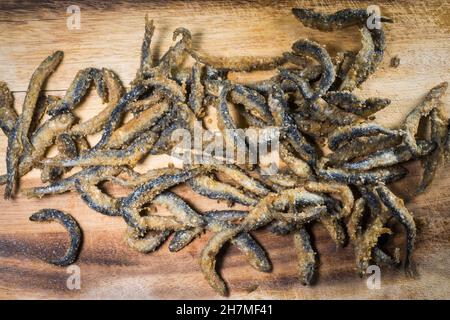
<point>110,36</point>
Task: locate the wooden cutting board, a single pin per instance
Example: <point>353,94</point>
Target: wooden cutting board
<point>110,36</point>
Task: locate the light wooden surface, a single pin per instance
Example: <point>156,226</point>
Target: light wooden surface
<point>110,35</point>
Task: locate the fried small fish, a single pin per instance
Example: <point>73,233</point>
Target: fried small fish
<point>138,125</point>
<point>71,226</point>
<point>345,134</point>
<point>18,140</point>
<point>78,90</point>
<point>253,102</point>
<point>8,115</point>
<point>316,51</point>
<point>278,108</point>
<point>335,21</point>
<point>95,124</point>
<point>67,148</point>
<point>147,191</point>
<point>150,242</point>
<point>43,138</point>
<point>214,189</point>
<point>111,157</point>
<point>363,146</point>
<point>341,191</point>
<point>240,64</point>
<point>306,256</point>
<point>92,175</point>
<point>179,208</point>
<point>236,174</point>
<point>96,199</point>
<point>397,208</point>
<point>384,175</point>
<point>389,157</point>
<point>362,64</point>
<point>197,91</point>
<point>373,50</point>
<point>146,56</point>
<point>350,103</point>
<point>439,133</point>
<point>412,120</point>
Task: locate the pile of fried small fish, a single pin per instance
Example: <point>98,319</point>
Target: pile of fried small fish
<point>337,161</point>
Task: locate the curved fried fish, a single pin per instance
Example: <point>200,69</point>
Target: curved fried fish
<point>317,52</point>
<point>176,54</point>
<point>253,102</point>
<point>208,258</point>
<point>146,192</point>
<point>346,18</point>
<point>218,221</point>
<point>225,121</point>
<point>362,64</point>
<point>365,244</point>
<point>95,124</point>
<point>72,227</point>
<point>37,81</point>
<point>78,90</point>
<point>258,217</point>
